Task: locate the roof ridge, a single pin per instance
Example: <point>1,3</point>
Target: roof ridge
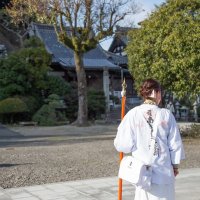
<point>47,34</point>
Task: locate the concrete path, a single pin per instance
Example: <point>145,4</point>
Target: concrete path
<point>3,195</point>
<point>8,133</point>
<point>187,188</point>
<point>69,130</point>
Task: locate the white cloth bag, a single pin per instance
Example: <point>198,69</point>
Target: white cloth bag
<point>135,170</point>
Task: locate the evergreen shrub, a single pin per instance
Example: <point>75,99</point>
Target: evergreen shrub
<point>50,114</point>
<point>57,85</point>
<point>33,104</point>
<point>10,107</point>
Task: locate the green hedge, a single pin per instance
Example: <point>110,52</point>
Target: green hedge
<point>10,107</point>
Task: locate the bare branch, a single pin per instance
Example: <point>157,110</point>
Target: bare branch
<point>88,13</point>
<point>110,13</point>
<point>68,15</point>
<point>89,20</point>
<point>76,10</point>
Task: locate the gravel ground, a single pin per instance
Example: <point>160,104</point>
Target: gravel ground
<point>39,164</point>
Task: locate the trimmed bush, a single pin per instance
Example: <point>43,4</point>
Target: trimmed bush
<point>10,107</point>
<point>51,113</point>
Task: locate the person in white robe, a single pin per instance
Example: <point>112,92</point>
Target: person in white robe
<point>134,136</point>
<point>170,107</point>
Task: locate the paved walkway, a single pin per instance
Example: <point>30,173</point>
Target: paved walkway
<point>187,188</point>
<point>38,135</point>
<point>8,133</point>
<point>66,130</point>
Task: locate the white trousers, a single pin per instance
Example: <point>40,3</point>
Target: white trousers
<point>157,192</point>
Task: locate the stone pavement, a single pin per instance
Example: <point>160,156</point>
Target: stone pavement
<point>187,188</point>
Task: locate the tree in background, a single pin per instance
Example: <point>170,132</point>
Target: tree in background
<point>24,72</point>
<point>57,85</point>
<point>89,21</point>
<point>167,47</point>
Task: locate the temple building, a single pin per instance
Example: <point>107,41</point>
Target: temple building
<point>104,70</point>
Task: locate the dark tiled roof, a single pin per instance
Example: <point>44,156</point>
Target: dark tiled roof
<point>94,59</point>
<point>116,59</point>
<point>123,29</point>
<point>118,41</point>
<point>120,37</point>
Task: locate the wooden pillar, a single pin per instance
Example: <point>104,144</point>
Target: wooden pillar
<point>106,89</point>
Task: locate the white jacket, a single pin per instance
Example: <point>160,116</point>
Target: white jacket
<point>134,136</point>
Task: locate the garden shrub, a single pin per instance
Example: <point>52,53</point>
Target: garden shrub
<point>10,107</point>
<point>45,116</point>
<point>193,131</point>
<point>33,104</point>
<point>48,114</point>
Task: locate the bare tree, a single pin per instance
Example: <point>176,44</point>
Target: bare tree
<point>89,21</point>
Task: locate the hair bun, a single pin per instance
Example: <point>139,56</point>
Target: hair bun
<point>148,86</point>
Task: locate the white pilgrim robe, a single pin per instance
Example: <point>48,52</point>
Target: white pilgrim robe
<point>134,135</point>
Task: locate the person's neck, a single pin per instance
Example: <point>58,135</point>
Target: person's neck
<point>150,101</point>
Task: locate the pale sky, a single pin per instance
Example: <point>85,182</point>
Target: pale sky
<point>147,6</point>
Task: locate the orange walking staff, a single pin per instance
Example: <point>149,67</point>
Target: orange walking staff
<point>123,103</point>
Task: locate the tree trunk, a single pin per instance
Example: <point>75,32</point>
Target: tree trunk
<point>82,119</point>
